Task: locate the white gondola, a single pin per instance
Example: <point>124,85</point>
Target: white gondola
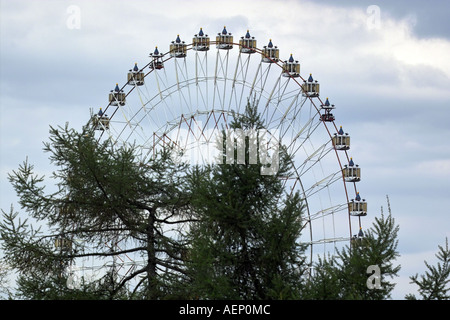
<point>101,121</point>
<point>247,44</point>
<point>310,87</point>
<point>271,53</point>
<point>224,40</point>
<point>291,68</point>
<point>358,207</point>
<point>117,96</point>
<point>135,76</point>
<point>200,42</point>
<point>178,48</point>
<point>352,172</point>
<point>157,62</point>
<point>104,122</point>
<point>341,140</point>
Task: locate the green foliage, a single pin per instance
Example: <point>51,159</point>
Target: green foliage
<point>434,284</point>
<point>104,196</point>
<point>221,231</point>
<point>244,245</point>
<point>345,276</point>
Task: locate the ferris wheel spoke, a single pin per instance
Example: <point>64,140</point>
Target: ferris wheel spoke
<point>201,78</point>
<point>161,96</point>
<point>265,112</point>
<point>258,86</point>
<point>327,240</point>
<point>280,118</point>
<point>232,94</point>
<point>169,90</point>
<point>296,107</point>
<point>323,183</point>
<point>329,211</point>
<point>289,124</point>
<point>279,97</point>
<point>253,88</point>
<point>312,159</point>
<point>131,123</point>
<point>181,72</point>
<point>220,75</point>
<point>240,77</point>
<point>302,136</point>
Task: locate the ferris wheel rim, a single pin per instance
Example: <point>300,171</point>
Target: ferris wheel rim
<point>166,57</point>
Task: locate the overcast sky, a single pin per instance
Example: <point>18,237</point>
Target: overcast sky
<point>385,64</point>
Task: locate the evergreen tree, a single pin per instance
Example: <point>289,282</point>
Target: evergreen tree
<point>324,282</point>
<point>434,284</point>
<point>348,274</point>
<point>244,245</point>
<point>105,201</point>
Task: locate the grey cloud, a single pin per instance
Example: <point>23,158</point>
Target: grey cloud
<point>430,17</point>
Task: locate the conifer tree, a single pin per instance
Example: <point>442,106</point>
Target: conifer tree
<point>106,201</point>
<point>245,243</point>
<point>347,274</point>
<point>434,284</point>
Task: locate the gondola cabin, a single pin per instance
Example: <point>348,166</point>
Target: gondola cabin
<point>101,121</point>
<point>359,240</point>
<point>291,68</point>
<point>63,244</point>
<point>224,40</point>
<point>271,53</point>
<point>341,140</point>
<point>117,96</point>
<point>135,76</point>
<point>352,172</point>
<point>247,44</point>
<point>327,115</point>
<point>157,62</point>
<point>104,122</point>
<point>310,87</point>
<point>178,48</point>
<point>358,207</point>
<point>200,42</point>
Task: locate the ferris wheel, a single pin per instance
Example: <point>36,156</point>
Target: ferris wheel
<point>186,96</point>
